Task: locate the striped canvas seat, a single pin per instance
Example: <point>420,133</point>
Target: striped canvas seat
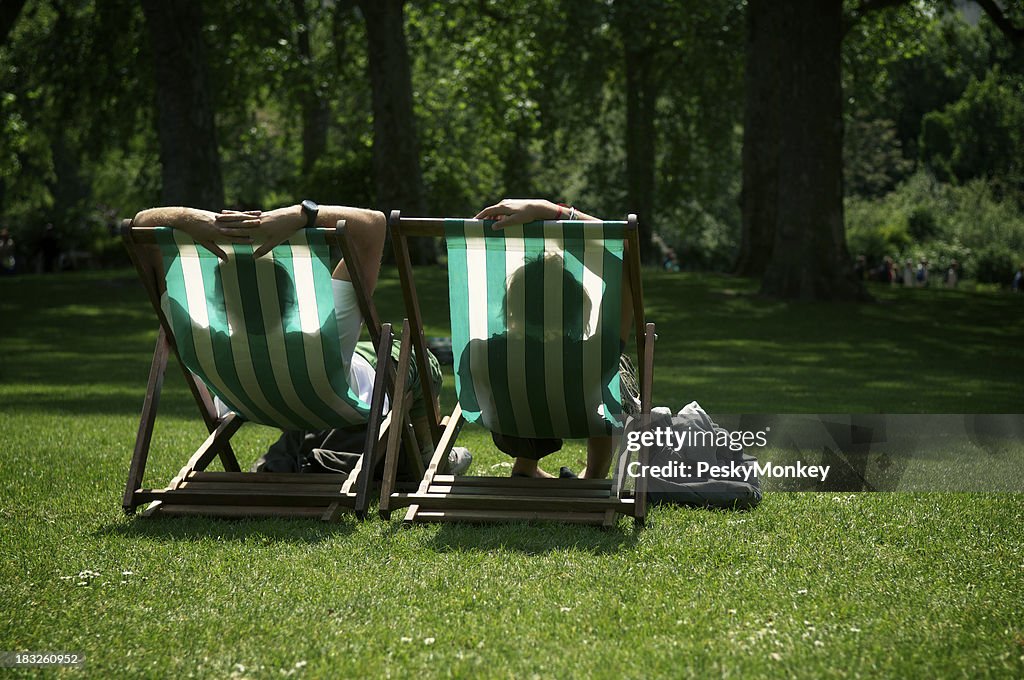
<point>261,333</point>
<point>536,314</point>
<point>535,325</point>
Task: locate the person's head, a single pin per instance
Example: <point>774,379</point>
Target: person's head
<point>4,232</point>
<point>547,271</point>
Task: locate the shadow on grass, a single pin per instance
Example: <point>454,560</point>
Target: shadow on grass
<point>200,529</point>
<point>532,538</point>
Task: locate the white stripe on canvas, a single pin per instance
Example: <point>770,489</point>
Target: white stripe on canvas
<point>305,294</point>
<point>515,322</point>
<point>593,284</point>
<point>195,295</point>
<point>476,281</point>
<point>554,323</point>
<point>266,286</point>
<point>238,335</point>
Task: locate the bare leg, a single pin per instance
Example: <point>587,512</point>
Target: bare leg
<point>528,467</point>
<point>599,458</point>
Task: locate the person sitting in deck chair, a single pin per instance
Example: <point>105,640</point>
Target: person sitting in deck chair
<point>528,452</point>
<point>366,231</point>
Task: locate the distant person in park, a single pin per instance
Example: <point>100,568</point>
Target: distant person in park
<point>8,263</point>
<point>265,230</point>
<point>922,272</point>
<point>889,271</point>
<point>860,267</point>
<point>528,452</point>
<point>49,248</point>
<point>908,273</point>
<point>952,274</point>
<point>1018,280</point>
<point>671,261</point>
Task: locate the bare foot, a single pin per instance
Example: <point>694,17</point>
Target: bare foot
<point>525,467</point>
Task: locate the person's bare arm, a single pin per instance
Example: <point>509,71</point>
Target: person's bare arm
<point>513,211</point>
<point>366,231</point>
<point>202,225</point>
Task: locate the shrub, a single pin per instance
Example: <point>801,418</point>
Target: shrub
<point>995,264</point>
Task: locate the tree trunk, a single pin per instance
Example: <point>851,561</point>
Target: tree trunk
<point>396,159</point>
<point>641,97</point>
<point>315,112</point>
<point>809,258</point>
<point>9,11</point>
<point>185,115</point>
<point>761,119</point>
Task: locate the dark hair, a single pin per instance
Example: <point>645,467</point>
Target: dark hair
<point>545,268</point>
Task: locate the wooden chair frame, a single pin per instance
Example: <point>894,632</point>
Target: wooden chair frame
<point>448,498</point>
<point>233,493</point>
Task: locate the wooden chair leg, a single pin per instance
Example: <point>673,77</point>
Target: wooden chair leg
<point>646,396</point>
<point>373,424</point>
<point>144,437</point>
<point>397,433</point>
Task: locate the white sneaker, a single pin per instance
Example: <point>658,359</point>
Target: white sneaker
<point>459,459</point>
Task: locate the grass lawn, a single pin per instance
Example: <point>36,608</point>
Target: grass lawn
<point>808,585</point>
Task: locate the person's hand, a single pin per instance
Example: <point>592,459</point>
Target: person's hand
<point>513,211</point>
<point>203,227</point>
<point>270,229</point>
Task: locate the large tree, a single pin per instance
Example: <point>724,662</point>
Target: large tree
<point>189,154</point>
<point>793,232</point>
<point>396,156</point>
<point>312,100</point>
<point>641,44</point>
<point>761,121</point>
<point>809,256</point>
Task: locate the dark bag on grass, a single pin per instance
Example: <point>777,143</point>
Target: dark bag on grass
<point>335,451</point>
<point>739,491</point>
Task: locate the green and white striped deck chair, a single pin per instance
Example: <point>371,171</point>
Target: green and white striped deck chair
<point>261,335</point>
<point>535,316</point>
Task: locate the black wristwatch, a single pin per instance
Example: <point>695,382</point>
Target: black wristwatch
<point>311,209</point>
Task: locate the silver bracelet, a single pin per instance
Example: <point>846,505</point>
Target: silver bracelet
<point>572,213</point>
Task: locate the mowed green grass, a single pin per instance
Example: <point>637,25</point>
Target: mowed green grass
<point>807,585</point>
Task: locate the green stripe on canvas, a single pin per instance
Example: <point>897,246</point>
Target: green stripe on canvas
<point>347,401</point>
<point>270,275</point>
<point>497,340</point>
<point>238,326</point>
<point>458,294</point>
<point>534,331</point>
<point>612,326</point>
<point>574,303</point>
<point>188,299</point>
<point>520,293</point>
<point>220,332</point>
<point>256,335</point>
<point>292,333</point>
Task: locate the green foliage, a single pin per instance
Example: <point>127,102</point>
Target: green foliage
<point>512,98</point>
<point>981,135</point>
<point>996,263</point>
<point>873,160</point>
<point>903,63</point>
<point>972,224</point>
